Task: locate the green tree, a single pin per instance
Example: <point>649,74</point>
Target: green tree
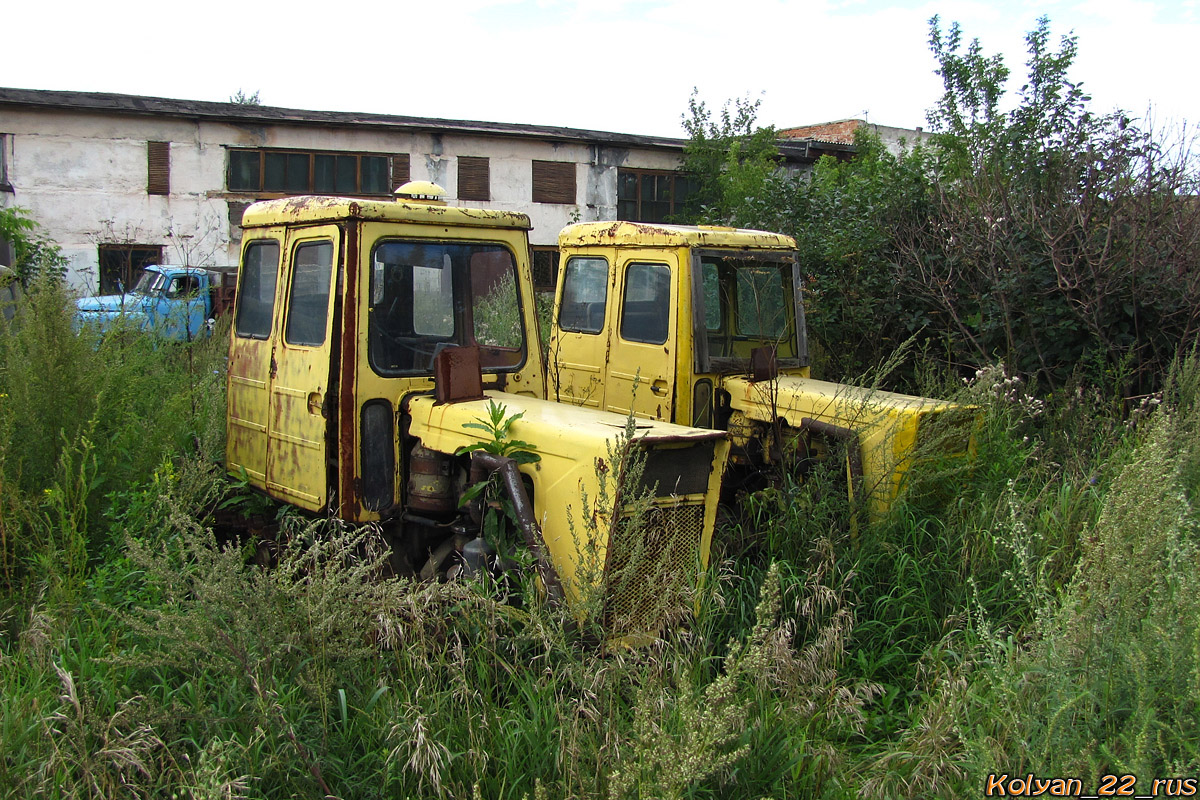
<point>732,162</point>
<point>841,214</point>
<point>242,99</point>
<point>1039,233</point>
<point>1056,236</point>
<point>34,253</point>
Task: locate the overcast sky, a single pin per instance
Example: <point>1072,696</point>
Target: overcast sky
<point>616,65</point>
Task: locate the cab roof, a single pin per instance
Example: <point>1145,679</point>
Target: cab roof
<point>312,208</point>
<point>645,234</point>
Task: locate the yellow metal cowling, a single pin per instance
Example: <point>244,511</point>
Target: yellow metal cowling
<point>887,425</point>
<point>585,544</point>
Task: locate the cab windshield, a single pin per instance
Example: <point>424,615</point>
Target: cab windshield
<point>429,295</point>
<point>749,301</point>
<point>150,283</point>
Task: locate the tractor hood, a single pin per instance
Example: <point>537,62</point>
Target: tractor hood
<point>113,303</point>
<point>891,429</point>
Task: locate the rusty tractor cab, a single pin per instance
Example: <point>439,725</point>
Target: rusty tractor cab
<point>708,321</point>
<point>367,337</point>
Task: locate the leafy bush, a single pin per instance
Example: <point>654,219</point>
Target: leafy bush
<point>1046,236</point>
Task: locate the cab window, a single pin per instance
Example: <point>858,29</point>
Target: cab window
<point>256,290</point>
<point>183,286</point>
<point>308,298</point>
<point>584,294</point>
<point>646,306</point>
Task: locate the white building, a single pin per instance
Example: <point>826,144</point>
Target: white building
<point>120,181</point>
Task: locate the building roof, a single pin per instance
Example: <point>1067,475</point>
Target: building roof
<point>104,102</point>
<point>840,134</point>
<point>108,103</point>
<point>837,132</point>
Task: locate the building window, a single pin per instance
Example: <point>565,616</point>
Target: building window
<point>6,249</point>
<point>401,171</point>
<point>554,182</point>
<point>121,265</point>
<point>649,196</point>
<point>545,268</point>
<point>5,186</point>
<point>474,182</point>
<point>320,172</point>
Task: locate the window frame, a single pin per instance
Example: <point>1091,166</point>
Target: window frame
<point>292,321</point>
<point>158,168</point>
<point>386,188</point>
<point>585,326</point>
<point>537,255</point>
<point>463,305</point>
<point>707,363</point>
<point>5,139</point>
<point>676,202</point>
<point>134,257</point>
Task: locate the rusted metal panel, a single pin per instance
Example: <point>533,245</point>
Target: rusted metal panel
<point>312,209</point>
<point>349,421</point>
<point>574,445</point>
<point>456,375</point>
<point>641,234</point>
<point>887,423</point>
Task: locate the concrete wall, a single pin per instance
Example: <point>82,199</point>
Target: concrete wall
<point>82,176</point>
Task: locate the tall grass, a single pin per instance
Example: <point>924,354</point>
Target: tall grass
<point>82,418</point>
<point>1034,613</point>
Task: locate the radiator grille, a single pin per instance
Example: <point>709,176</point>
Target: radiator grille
<point>653,569</point>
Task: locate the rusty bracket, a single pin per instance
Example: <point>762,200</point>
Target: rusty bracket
<point>482,466</point>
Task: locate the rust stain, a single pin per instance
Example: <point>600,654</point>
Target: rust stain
<point>345,345</point>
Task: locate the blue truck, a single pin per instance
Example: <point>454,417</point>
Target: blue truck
<point>176,303</point>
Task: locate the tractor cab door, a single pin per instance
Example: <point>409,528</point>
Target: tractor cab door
<point>251,347</point>
<point>181,308</point>
<point>643,342</point>
<point>579,349</point>
<point>301,369</point>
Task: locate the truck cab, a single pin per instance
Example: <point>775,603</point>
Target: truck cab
<point>707,322</point>
<point>174,302</point>
<point>370,341</point>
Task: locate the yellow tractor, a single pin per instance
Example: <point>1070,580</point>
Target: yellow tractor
<point>375,344</point>
<point>708,322</point>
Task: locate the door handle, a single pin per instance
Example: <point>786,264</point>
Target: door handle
<point>659,388</point>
